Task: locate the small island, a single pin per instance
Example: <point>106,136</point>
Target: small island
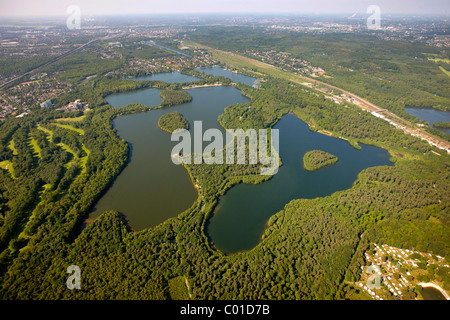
<point>172,121</point>
<point>317,159</point>
<point>442,125</point>
<point>171,97</point>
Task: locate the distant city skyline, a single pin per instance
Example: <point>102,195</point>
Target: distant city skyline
<point>19,8</point>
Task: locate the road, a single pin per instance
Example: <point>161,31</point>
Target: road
<point>68,53</point>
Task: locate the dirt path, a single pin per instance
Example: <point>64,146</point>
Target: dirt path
<point>188,289</point>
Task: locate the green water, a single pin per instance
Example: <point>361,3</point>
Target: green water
<point>430,293</point>
<point>242,213</point>
<point>152,189</point>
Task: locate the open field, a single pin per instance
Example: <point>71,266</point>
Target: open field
<point>66,126</point>
<point>77,119</point>
<point>444,71</point>
<point>32,143</point>
<point>61,144</point>
<point>12,146</point>
<point>440,60</point>
<point>7,165</point>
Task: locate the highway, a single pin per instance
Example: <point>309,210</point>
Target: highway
<point>68,53</point>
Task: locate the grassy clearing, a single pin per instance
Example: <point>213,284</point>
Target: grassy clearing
<point>61,144</point>
<point>77,119</point>
<point>35,147</point>
<point>7,165</point>
<point>12,146</point>
<point>178,289</point>
<point>69,127</point>
<point>440,60</point>
<point>83,160</point>
<point>75,159</point>
<point>445,71</point>
<point>255,65</point>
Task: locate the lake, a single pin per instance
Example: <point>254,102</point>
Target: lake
<point>431,116</point>
<point>242,213</point>
<point>235,77</point>
<point>170,77</point>
<point>152,189</point>
<point>430,293</point>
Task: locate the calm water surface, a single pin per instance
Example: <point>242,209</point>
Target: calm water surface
<point>430,293</point>
<point>431,115</point>
<point>170,77</point>
<point>242,213</point>
<point>152,189</point>
<point>235,77</point>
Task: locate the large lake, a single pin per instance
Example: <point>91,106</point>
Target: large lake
<point>152,189</point>
<point>235,77</point>
<point>242,213</point>
<point>170,77</point>
<point>431,115</point>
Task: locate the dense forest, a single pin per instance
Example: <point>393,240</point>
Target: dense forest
<point>174,97</point>
<point>441,125</point>
<point>317,159</point>
<point>59,164</point>
<point>171,121</point>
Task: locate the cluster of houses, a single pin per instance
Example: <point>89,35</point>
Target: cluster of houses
<point>385,264</point>
<point>77,105</point>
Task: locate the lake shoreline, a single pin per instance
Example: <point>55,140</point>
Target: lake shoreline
<point>435,286</point>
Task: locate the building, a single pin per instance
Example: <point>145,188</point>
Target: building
<point>46,104</point>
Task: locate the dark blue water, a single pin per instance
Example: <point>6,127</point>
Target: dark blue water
<point>431,115</point>
<point>242,213</point>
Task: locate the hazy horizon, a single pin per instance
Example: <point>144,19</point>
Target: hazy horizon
<point>58,8</point>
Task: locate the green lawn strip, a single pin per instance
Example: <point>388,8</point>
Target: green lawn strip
<point>69,127</point>
<point>77,119</point>
<point>61,144</point>
<point>445,71</point>
<point>83,160</point>
<point>23,233</point>
<point>12,146</point>
<point>7,165</point>
<point>35,147</point>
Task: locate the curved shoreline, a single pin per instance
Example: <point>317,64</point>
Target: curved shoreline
<point>435,286</point>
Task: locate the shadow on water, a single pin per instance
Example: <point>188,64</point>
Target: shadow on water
<point>240,217</point>
<point>151,189</point>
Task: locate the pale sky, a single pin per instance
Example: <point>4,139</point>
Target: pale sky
<point>105,7</point>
